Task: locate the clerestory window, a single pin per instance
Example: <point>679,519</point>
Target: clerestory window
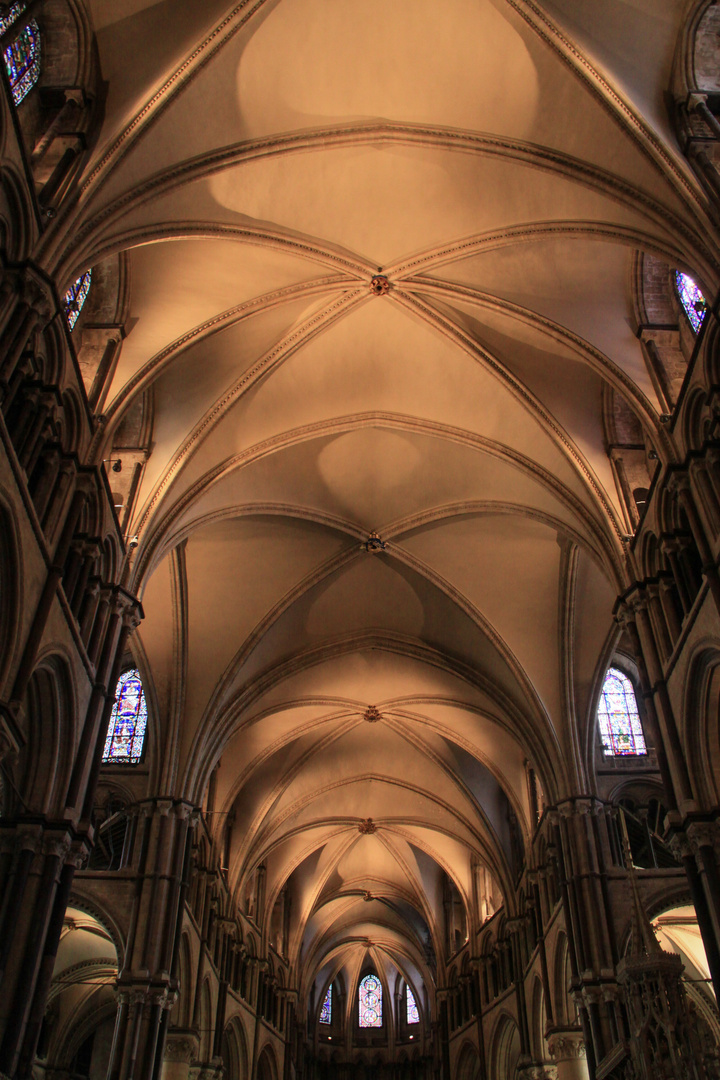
<point>412,1013</point>
<point>128,722</point>
<point>693,302</point>
<point>22,59</point>
<point>618,718</point>
<point>76,296</point>
<point>326,1011</point>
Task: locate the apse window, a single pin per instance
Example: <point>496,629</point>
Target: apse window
<point>618,718</point>
<point>693,302</point>
<point>128,722</point>
<point>412,1013</point>
<point>76,296</point>
<point>370,994</point>
<point>22,61</point>
<point>326,1011</point>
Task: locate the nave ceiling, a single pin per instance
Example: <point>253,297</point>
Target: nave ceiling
<point>499,164</point>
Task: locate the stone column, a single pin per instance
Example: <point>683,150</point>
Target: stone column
<point>567,1049</point>
<point>583,847</point>
<point>147,987</point>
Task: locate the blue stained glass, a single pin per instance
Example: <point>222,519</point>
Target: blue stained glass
<point>22,61</point>
<point>692,300</point>
<point>326,1011</point>
<point>413,1016</point>
<point>76,296</point>
<point>128,722</point>
<point>13,14</point>
<point>620,728</point>
<point>370,995</point>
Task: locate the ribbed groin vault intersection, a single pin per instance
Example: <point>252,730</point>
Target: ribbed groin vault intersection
<point>359,540</point>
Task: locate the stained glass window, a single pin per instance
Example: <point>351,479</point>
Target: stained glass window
<point>413,1016</point>
<point>326,1011</point>
<point>128,722</point>
<point>76,296</point>
<point>370,995</point>
<point>22,61</point>
<point>620,728</point>
<point>14,12</point>
<point>692,299</point>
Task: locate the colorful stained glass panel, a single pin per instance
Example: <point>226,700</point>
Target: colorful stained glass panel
<point>14,13</point>
<point>370,995</point>
<point>692,300</point>
<point>22,61</point>
<point>76,296</point>
<point>128,722</point>
<point>620,728</point>
<point>326,1011</point>
<point>413,1016</point>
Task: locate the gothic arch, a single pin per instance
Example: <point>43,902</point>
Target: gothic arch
<point>504,1048</point>
<point>51,721</point>
<point>701,722</point>
<point>468,1062</point>
<point>267,1064</point>
<point>234,1051</point>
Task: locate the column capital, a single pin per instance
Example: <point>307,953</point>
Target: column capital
<point>566,1045</point>
<point>182,1046</point>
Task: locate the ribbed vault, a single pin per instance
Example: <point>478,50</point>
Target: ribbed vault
<point>377,718</point>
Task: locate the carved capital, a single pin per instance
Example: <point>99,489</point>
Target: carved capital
<point>704,834</point>
<point>566,1045</point>
<point>537,1072</point>
<point>183,1048</point>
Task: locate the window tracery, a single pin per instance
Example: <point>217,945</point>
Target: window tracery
<point>693,302</point>
<point>618,718</point>
<point>128,722</point>
<point>326,1011</point>
<point>22,61</point>
<point>370,1002</point>
<point>76,296</point>
<point>412,1013</point>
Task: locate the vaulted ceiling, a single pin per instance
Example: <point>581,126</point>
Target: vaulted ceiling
<point>499,163</point>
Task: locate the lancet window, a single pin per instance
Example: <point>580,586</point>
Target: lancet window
<point>76,296</point>
<point>412,1013</point>
<point>128,722</point>
<point>326,1011</point>
<point>618,718</point>
<point>22,60</point>
<point>370,1002</point>
<point>693,302</point>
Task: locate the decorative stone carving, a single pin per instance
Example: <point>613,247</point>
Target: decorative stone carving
<point>374,543</point>
<point>538,1072</point>
<point>181,1048</point>
<point>372,714</point>
<point>379,285</point>
<point>367,826</point>
<point>566,1046</point>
